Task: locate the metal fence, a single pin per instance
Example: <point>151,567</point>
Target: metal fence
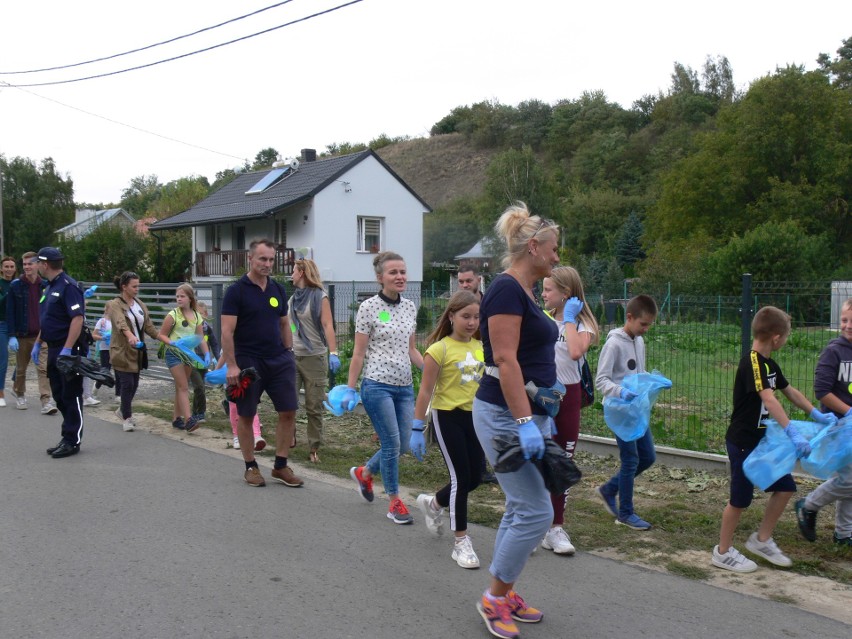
<point>697,341</point>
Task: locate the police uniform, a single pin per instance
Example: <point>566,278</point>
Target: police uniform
<point>63,301</point>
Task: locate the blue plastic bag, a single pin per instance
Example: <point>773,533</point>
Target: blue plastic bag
<point>775,455</point>
<point>335,399</point>
<point>630,420</point>
<point>831,450</point>
<point>218,376</point>
<point>187,346</point>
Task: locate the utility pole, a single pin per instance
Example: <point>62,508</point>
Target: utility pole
<point>2,237</point>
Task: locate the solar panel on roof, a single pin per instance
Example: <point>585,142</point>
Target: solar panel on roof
<point>268,180</point>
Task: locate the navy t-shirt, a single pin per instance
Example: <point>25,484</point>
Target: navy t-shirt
<point>63,301</point>
<point>536,354</point>
<point>258,313</point>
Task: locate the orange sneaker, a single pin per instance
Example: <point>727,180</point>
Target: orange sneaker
<point>364,485</point>
<point>398,513</point>
<point>498,617</point>
<point>521,611</point>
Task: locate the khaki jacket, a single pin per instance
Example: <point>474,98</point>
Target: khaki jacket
<point>122,354</point>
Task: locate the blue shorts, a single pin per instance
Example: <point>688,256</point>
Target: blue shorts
<point>742,490</point>
<point>277,378</point>
<point>173,360</point>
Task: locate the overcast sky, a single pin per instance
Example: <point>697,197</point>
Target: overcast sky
<point>377,66</point>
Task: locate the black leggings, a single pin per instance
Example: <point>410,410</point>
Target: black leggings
<point>128,383</point>
<point>463,456</point>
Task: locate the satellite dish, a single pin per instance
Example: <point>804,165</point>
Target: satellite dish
<point>294,164</point>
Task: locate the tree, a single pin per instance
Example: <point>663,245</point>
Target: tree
<point>839,70</point>
<point>264,159</point>
<point>450,230</point>
<point>140,195</point>
<point>37,201</point>
<point>179,195</point>
<point>628,244</point>
<point>106,252</point>
<point>517,175</point>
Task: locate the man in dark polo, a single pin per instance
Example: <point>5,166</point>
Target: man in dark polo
<point>256,333</point>
<point>61,313</point>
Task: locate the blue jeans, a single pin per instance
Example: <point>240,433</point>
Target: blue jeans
<point>391,409</point>
<point>636,456</point>
<point>4,354</point>
<point>528,512</point>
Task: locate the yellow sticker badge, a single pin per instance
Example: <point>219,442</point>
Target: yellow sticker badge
<point>273,302</point>
<point>478,355</point>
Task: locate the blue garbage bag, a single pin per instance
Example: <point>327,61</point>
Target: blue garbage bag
<point>630,420</point>
<point>187,345</point>
<point>831,450</point>
<point>335,399</point>
<point>217,377</point>
<point>775,455</point>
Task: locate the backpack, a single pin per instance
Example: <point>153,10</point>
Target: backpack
<point>587,384</point>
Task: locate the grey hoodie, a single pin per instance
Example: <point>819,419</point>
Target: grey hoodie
<point>621,355</point>
<point>834,371</point>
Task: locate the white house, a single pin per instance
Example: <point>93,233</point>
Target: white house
<point>87,220</point>
<point>337,211</point>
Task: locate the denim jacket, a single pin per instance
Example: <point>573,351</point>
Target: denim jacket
<point>17,302</point>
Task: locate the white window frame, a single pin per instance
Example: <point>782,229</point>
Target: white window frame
<point>369,223</point>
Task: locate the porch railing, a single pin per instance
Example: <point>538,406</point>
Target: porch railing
<point>235,262</point>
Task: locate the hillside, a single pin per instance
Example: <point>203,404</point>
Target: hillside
<point>440,168</point>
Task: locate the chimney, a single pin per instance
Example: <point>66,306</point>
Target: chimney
<point>309,155</point>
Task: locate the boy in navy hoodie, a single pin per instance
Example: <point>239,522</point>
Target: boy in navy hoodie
<point>832,383</point>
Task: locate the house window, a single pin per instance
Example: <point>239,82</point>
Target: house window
<point>370,234</point>
<point>213,237</point>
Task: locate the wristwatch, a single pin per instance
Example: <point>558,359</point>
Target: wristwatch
<point>523,420</point>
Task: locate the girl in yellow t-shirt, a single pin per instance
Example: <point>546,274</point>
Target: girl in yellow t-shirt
<point>452,367</point>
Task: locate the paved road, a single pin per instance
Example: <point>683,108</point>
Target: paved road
<point>142,536</point>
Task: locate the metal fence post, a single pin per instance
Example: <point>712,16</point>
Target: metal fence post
<point>746,315</point>
<point>332,378</point>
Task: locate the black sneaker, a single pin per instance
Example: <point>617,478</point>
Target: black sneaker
<point>807,520</point>
<point>843,541</point>
<point>53,449</point>
<point>178,423</point>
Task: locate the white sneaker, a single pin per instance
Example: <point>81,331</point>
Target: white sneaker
<point>21,402</point>
<point>259,444</point>
<point>434,518</point>
<point>768,550</point>
<point>463,553</point>
<point>732,560</point>
<point>128,425</point>
<point>236,443</point>
<point>2,402</point>
<point>90,401</point>
<point>557,540</point>
<point>49,408</point>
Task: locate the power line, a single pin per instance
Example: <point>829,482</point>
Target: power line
<point>186,55</point>
<point>129,126</point>
<point>150,46</point>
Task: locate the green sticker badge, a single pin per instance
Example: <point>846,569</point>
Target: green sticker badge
<point>293,328</point>
<point>384,317</point>
<point>273,302</point>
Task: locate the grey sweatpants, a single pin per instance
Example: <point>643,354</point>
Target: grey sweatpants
<point>839,489</point>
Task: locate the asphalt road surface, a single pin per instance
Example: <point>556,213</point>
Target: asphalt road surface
<point>143,536</point>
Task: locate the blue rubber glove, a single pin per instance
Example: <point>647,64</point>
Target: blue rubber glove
<point>848,412</point>
<point>532,443</point>
<point>64,351</point>
<point>573,306</point>
<point>803,447</point>
<point>207,359</point>
<point>35,353</point>
<point>627,395</point>
<point>90,291</point>
<point>333,363</point>
<point>139,346</point>
<point>829,419</point>
<point>14,346</point>
<point>417,443</point>
<point>349,400</point>
<point>106,337</point>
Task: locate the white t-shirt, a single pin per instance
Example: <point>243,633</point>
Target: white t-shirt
<point>389,327</point>
<point>567,369</point>
<point>103,325</point>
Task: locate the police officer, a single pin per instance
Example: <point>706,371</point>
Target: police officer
<point>62,311</point>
